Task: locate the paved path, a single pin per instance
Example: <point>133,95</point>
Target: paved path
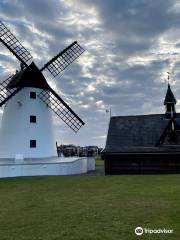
<point>98,172</point>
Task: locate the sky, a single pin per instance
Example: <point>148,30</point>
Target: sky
<point>130,46</point>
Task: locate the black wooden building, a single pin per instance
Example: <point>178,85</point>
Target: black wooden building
<point>144,144</point>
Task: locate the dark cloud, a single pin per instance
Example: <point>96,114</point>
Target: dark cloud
<point>135,25</point>
<point>41,9</point>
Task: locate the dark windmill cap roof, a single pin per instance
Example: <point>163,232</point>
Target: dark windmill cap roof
<point>29,77</point>
<point>169,96</point>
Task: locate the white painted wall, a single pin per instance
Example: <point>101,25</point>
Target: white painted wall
<point>91,163</point>
<point>67,166</point>
<point>16,129</point>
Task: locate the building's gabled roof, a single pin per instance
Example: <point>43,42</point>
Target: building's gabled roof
<point>29,77</point>
<point>171,134</point>
<point>169,96</point>
<point>137,134</point>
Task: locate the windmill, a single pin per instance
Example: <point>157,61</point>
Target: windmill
<point>28,98</point>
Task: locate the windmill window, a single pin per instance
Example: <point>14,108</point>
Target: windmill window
<point>32,119</point>
<point>33,95</point>
<point>32,143</point>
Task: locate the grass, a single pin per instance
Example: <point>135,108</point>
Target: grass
<point>88,208</point>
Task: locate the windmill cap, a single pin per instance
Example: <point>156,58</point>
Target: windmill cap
<point>29,77</point>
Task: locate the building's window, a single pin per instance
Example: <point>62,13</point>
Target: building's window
<point>33,95</point>
<point>32,119</point>
<point>32,143</point>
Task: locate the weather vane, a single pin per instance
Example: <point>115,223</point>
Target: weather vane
<point>168,77</point>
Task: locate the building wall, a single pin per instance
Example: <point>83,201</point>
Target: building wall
<point>61,167</point>
<point>17,131</point>
<point>142,163</point>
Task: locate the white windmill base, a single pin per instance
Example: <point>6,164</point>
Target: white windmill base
<point>42,167</point>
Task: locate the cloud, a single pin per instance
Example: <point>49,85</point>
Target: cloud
<point>130,45</point>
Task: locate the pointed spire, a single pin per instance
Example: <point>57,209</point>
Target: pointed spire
<point>170,102</point>
<point>169,96</point>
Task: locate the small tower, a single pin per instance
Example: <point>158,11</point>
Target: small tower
<point>170,102</point>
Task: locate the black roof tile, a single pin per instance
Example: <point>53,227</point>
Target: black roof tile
<point>138,133</point>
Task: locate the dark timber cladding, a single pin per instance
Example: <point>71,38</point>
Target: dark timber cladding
<point>145,143</point>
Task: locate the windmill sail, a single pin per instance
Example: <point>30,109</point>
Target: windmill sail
<point>53,101</point>
<point>27,76</point>
<point>61,61</point>
<point>5,92</point>
<point>14,46</point>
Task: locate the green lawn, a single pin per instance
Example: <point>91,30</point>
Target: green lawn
<point>89,207</point>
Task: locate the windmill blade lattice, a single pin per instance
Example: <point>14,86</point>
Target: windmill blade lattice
<point>11,42</point>
<point>57,64</point>
<point>53,101</point>
<point>5,92</point>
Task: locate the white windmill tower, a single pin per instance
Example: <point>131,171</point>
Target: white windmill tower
<point>26,127</point>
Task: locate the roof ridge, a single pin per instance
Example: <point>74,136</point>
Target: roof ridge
<point>143,115</point>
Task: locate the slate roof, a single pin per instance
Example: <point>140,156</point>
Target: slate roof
<point>134,134</point>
